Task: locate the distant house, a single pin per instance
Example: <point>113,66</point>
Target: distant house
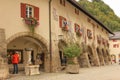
<point>115,47</point>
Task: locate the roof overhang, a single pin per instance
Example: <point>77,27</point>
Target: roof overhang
<point>77,5</point>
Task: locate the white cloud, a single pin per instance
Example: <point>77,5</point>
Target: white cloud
<point>77,0</point>
<point>114,4</point>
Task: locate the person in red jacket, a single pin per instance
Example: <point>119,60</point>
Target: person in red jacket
<point>15,61</point>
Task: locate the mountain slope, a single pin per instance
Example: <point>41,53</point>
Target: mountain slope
<point>102,12</point>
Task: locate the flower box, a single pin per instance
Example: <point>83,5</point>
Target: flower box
<point>32,23</point>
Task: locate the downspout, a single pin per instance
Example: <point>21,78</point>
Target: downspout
<point>50,39</point>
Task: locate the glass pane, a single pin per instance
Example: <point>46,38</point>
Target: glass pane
<point>30,8</point>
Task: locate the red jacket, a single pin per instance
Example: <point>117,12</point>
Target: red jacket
<point>15,59</point>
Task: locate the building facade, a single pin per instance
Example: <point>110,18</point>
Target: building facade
<point>41,43</point>
<point>114,47</point>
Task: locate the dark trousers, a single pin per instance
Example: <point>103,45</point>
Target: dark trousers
<point>15,68</point>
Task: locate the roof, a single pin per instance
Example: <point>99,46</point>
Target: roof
<point>115,36</point>
<point>77,5</point>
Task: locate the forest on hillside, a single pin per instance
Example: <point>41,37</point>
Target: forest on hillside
<point>102,12</point>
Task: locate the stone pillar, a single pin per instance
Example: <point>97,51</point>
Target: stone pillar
<point>4,71</point>
<point>55,64</point>
<point>102,58</point>
<point>96,59</point>
<point>83,60</point>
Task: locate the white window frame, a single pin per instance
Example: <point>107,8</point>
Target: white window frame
<point>29,12</point>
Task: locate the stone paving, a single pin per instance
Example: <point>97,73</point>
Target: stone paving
<point>109,72</point>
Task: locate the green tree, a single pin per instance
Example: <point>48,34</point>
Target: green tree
<point>102,12</point>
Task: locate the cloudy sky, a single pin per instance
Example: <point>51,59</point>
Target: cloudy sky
<point>114,4</point>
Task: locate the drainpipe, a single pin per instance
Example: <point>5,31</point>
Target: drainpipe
<point>50,39</point>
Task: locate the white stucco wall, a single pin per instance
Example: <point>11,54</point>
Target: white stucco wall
<point>11,21</point>
<point>115,51</point>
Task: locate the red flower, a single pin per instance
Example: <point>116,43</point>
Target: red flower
<point>31,21</point>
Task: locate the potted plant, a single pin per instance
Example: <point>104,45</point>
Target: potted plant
<point>72,51</point>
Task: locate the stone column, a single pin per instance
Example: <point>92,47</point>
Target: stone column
<point>95,55</point>
<point>83,60</point>
<point>28,58</point>
<point>4,70</point>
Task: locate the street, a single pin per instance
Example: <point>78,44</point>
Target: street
<point>108,72</point>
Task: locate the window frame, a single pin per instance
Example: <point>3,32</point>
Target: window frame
<point>29,13</point>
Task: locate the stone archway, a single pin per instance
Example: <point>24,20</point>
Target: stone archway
<point>104,56</point>
<point>91,56</point>
<point>108,57</point>
<point>61,45</point>
<point>100,56</point>
<point>30,42</point>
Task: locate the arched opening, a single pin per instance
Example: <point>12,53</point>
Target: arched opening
<point>108,57</point>
<point>61,46</point>
<point>105,56</point>
<point>100,56</point>
<point>91,56</point>
<point>31,49</point>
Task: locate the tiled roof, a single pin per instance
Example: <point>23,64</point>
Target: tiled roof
<point>115,36</point>
<point>77,5</point>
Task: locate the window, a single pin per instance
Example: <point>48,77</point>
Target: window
<point>78,30</point>
<point>89,33</point>
<point>76,11</point>
<point>89,20</point>
<point>115,45</point>
<point>29,11</point>
<point>114,40</point>
<point>63,23</point>
<point>77,27</point>
<point>62,2</point>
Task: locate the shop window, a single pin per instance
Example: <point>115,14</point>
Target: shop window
<point>62,2</point>
<point>28,11</point>
<point>10,53</point>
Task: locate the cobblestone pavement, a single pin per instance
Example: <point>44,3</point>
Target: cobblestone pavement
<point>109,72</point>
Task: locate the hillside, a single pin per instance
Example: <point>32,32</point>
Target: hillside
<point>102,12</point>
